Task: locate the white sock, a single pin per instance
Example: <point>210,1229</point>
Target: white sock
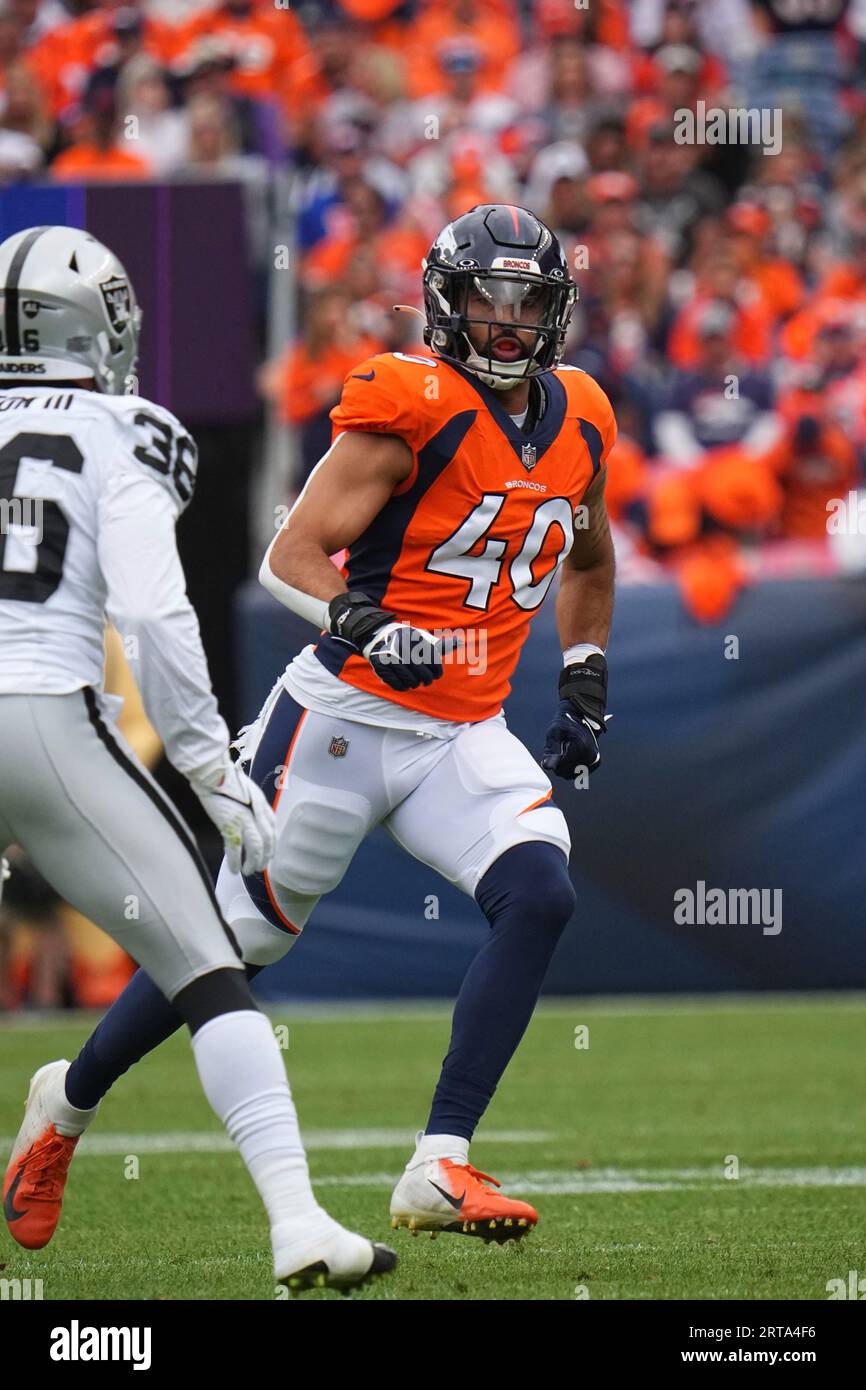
<point>67,1119</point>
<point>244,1079</point>
<point>452,1146</point>
<point>71,1121</point>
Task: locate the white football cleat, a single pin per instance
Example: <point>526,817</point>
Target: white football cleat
<point>326,1255</point>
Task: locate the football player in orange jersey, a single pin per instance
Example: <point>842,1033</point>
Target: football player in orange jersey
<point>458,484</point>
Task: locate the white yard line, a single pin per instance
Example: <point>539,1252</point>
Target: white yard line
<point>554,1182</point>
<point>614,1180</point>
<point>203,1141</point>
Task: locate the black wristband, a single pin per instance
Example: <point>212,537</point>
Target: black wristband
<point>585,684</point>
<point>355,618</point>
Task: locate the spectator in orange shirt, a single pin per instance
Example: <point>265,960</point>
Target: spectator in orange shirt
<point>776,279</point>
<point>678,30</point>
<point>459,102</point>
<point>394,250</point>
<point>814,461</point>
<point>491,25</point>
<point>305,382</point>
<point>365,218</point>
<point>839,298</point>
<point>269,46</point>
<point>97,153</point>
<point>718,279</point>
<point>626,477</point>
<point>107,36</point>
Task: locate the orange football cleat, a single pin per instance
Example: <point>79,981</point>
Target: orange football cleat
<point>37,1170</point>
<point>438,1194</point>
<point>33,1189</point>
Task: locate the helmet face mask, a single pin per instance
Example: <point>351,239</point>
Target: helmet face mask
<point>68,311</point>
<point>497,274</point>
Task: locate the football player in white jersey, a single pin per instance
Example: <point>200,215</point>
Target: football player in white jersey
<point>92,482</point>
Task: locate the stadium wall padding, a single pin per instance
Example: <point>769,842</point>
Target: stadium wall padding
<point>197,341</point>
<point>740,773</point>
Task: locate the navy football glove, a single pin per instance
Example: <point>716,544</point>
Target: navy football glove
<point>572,739</point>
<point>403,656</point>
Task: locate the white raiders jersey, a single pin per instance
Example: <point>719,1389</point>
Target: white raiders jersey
<point>59,453</point>
<point>90,488</point>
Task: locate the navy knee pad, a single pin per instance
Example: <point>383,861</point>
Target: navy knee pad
<point>531,881</point>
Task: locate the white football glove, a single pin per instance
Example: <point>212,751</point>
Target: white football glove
<point>241,814</point>
<point>4,874</point>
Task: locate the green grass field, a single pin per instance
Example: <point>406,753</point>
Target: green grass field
<point>622,1146</point>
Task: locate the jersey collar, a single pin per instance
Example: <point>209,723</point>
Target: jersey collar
<point>548,426</point>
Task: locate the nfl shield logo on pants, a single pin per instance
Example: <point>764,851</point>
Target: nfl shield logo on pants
<point>529,457</point>
<point>338,745</point>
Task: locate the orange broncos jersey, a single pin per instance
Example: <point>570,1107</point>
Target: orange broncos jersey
<point>471,541</point>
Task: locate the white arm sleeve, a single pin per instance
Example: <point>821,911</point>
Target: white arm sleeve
<point>148,604</point>
<point>315,610</point>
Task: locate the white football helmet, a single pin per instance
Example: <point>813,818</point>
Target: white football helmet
<point>67,310</point>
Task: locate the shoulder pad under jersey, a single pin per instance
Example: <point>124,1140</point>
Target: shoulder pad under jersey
<point>398,393</point>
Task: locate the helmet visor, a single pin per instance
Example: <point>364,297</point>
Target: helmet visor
<point>511,299</point>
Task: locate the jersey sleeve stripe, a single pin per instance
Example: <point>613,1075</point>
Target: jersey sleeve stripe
<point>373,556</point>
<point>594,443</point>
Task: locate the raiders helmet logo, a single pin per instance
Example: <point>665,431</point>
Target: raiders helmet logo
<point>338,745</point>
<point>529,457</point>
<point>115,295</point>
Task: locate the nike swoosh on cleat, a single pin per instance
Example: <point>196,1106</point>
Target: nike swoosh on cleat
<point>9,1210</point>
<point>456,1202</point>
<point>363,376</point>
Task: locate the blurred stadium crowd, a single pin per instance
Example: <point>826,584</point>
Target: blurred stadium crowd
<point>722,289</point>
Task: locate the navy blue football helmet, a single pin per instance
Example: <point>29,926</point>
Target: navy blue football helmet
<point>510,257</point>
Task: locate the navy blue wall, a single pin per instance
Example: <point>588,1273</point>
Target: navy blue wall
<point>746,773</point>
